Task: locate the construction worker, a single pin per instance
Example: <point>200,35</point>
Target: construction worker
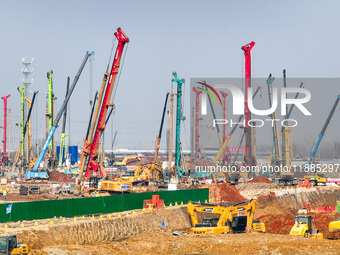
<point>5,195</point>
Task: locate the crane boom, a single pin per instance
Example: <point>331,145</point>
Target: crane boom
<point>93,163</point>
<point>322,133</point>
<point>57,119</point>
<point>160,129</point>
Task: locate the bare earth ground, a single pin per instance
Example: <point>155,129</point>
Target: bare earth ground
<point>163,242</point>
<point>120,236</point>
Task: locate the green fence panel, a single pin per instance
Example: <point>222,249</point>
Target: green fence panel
<point>96,205</point>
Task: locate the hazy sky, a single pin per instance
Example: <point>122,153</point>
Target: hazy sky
<point>193,38</point>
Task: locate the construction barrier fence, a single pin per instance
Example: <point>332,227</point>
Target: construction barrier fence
<point>85,206</point>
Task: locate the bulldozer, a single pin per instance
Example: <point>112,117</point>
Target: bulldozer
<point>9,245</point>
<point>303,227</point>
<point>229,221</point>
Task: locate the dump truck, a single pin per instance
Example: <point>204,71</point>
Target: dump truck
<point>303,227</point>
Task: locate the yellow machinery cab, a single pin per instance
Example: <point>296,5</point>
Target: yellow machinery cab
<point>303,227</point>
<point>10,245</point>
<point>334,226</point>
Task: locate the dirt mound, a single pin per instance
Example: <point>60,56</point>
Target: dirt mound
<point>223,192</point>
<point>256,186</point>
<point>269,195</point>
<point>260,179</point>
<point>200,162</point>
<point>56,176</point>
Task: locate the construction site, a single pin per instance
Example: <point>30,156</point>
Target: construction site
<point>101,159</point>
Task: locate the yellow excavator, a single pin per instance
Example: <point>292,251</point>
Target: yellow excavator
<point>10,245</point>
<point>124,161</point>
<point>334,227</point>
<point>303,227</point>
<point>230,220</point>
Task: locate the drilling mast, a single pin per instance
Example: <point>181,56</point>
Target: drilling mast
<point>90,149</point>
<point>22,90</point>
<point>249,159</point>
<point>63,142</point>
<point>178,168</point>
<point>197,92</point>
<point>4,141</point>
<point>226,153</point>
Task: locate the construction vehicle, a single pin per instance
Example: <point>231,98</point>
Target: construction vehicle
<point>4,158</point>
<point>3,184</point>
<point>89,157</point>
<point>310,165</point>
<point>285,178</point>
<point>229,220</point>
<point>63,107</point>
<point>224,145</point>
<point>40,174</point>
<point>334,226</point>
<point>321,135</point>
<point>124,161</point>
<point>153,171</point>
<point>10,246</point>
<point>303,227</point>
<point>179,169</point>
<point>249,157</point>
<point>316,179</point>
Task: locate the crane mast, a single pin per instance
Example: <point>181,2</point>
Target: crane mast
<point>178,156</point>
<point>248,157</point>
<point>91,149</point>
<point>277,148</point>
<point>226,155</point>
<point>4,141</point>
<point>22,90</point>
<point>197,119</point>
<point>63,141</point>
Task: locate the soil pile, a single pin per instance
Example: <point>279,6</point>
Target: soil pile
<point>56,176</point>
<point>260,179</point>
<point>268,195</point>
<point>223,192</point>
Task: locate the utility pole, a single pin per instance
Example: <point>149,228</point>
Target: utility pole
<point>248,157</point>
<point>197,92</point>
